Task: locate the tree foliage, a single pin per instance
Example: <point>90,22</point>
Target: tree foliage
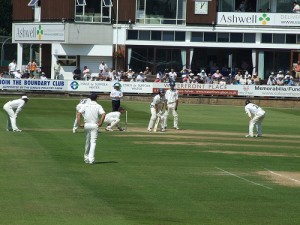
<point>5,17</point>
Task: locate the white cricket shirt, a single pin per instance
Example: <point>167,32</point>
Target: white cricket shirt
<point>112,116</point>
<point>252,109</point>
<point>16,104</point>
<point>91,112</point>
<point>171,96</point>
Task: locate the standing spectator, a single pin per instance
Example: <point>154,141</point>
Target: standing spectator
<point>113,119</point>
<point>32,66</point>
<point>12,115</point>
<point>56,68</point>
<point>171,105</point>
<point>147,73</point>
<point>12,68</point>
<point>102,67</point>
<point>156,108</point>
<point>242,7</point>
<point>116,95</point>
<point>77,74</point>
<point>78,107</point>
<point>172,75</point>
<point>296,8</point>
<point>86,73</point>
<point>297,70</point>
<point>91,112</point>
<point>256,115</point>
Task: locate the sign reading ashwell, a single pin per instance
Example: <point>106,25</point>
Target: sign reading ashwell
<point>39,32</point>
<point>258,19</point>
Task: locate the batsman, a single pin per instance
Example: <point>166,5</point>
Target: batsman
<point>156,109</point>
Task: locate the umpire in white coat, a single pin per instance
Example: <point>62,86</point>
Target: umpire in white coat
<point>12,115</point>
<point>91,112</point>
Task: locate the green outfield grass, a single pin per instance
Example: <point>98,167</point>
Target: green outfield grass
<point>207,173</point>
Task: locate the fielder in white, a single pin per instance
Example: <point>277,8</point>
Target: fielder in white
<point>156,108</point>
<point>256,115</point>
<point>91,112</point>
<point>78,107</point>
<point>12,115</point>
<point>171,105</point>
<point>113,119</point>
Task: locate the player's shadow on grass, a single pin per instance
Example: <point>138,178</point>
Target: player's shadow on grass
<point>107,162</point>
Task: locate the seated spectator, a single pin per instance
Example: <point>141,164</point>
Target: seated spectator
<point>215,80</point>
<point>124,76</point>
<point>280,81</point>
<point>243,80</point>
<point>208,79</point>
<point>237,77</point>
<point>288,81</point>
<point>159,76</point>
<point>133,78</point>
<point>130,73</point>
<point>103,76</point>
<point>43,76</point>
<point>249,80</point>
<point>77,74</point>
<point>86,73</point>
<point>280,74</point>
<point>217,75</point>
<point>110,74</point>
<point>256,79</point>
<point>271,80</point>
<point>203,75</point>
<point>17,74</point>
<point>147,73</point>
<point>140,77</point>
<point>222,81</point>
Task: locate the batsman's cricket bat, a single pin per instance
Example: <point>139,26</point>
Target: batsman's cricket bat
<point>126,120</point>
<point>156,124</point>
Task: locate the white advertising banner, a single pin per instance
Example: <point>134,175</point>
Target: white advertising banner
<point>105,86</point>
<point>149,88</point>
<point>258,19</point>
<point>39,32</point>
<point>89,86</point>
<point>32,84</point>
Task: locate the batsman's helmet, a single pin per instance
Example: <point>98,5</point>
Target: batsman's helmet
<point>172,83</point>
<point>247,102</point>
<point>161,91</point>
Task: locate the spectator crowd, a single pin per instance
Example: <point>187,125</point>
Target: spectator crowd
<point>204,76</point>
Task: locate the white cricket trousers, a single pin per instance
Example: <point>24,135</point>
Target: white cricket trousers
<point>153,118</point>
<point>11,118</point>
<point>256,120</point>
<point>171,109</point>
<point>91,130</point>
